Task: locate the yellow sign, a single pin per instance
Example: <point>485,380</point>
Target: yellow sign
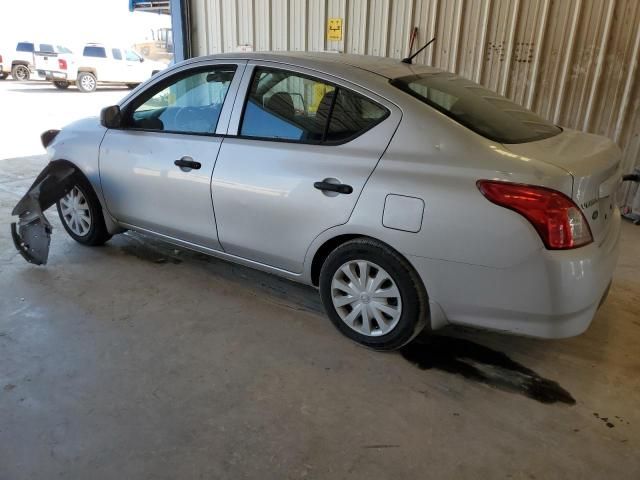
<point>334,29</point>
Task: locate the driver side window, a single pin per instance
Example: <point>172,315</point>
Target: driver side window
<point>188,103</point>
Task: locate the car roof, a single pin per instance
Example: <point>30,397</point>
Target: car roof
<point>330,62</point>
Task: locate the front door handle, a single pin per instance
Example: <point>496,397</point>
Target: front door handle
<point>187,163</point>
<point>334,187</point>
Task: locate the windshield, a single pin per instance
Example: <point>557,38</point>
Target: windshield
<point>486,113</point>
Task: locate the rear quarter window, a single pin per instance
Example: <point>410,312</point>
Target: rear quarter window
<point>477,108</point>
<point>98,52</point>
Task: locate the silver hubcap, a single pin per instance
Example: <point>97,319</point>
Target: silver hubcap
<point>75,212</point>
<point>88,83</point>
<point>366,298</point>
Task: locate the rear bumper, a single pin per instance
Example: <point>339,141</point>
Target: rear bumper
<point>52,75</point>
<point>552,294</point>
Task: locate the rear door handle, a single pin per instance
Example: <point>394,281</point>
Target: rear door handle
<point>187,162</point>
<point>334,187</point>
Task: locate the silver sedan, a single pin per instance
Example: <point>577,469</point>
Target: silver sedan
<point>410,197</point>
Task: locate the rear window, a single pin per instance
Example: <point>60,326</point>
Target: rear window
<point>24,47</point>
<point>116,53</point>
<point>477,108</point>
<point>99,52</point>
<point>46,48</point>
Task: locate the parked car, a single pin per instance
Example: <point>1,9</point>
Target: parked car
<point>5,66</point>
<point>412,198</point>
<point>20,63</point>
<point>99,64</point>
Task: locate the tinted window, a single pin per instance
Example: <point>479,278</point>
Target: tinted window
<point>285,105</point>
<point>352,115</point>
<point>132,56</point>
<point>117,54</point>
<point>99,52</point>
<point>188,104</point>
<point>477,108</point>
<point>24,47</point>
<point>290,106</point>
<point>46,48</point>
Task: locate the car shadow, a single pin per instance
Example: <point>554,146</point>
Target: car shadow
<point>454,350</point>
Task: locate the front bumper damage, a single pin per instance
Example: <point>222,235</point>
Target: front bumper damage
<point>32,233</point>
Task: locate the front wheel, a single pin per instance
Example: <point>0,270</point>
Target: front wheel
<point>373,295</point>
<point>20,72</point>
<point>81,214</point>
<point>86,82</point>
<point>61,85</point>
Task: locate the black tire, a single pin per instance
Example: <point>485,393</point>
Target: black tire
<point>61,84</point>
<point>415,308</point>
<point>3,76</point>
<point>20,72</point>
<point>131,86</point>
<point>97,233</point>
<point>86,82</point>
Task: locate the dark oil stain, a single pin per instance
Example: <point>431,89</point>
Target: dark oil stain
<point>8,387</point>
<point>482,364</point>
<point>606,421</point>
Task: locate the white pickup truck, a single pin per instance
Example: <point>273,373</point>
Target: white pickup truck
<point>98,64</point>
<point>20,62</point>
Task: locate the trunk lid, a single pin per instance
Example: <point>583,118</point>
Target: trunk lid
<point>593,162</point>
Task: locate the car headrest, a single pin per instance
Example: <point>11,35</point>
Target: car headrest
<point>281,103</point>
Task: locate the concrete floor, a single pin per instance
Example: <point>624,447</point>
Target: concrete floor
<point>136,361</point>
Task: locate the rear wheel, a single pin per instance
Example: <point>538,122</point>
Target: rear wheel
<point>61,85</point>
<point>81,214</point>
<point>86,82</point>
<point>20,72</point>
<point>373,295</point>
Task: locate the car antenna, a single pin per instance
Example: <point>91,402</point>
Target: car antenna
<point>410,58</point>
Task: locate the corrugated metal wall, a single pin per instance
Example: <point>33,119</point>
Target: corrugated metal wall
<point>573,61</point>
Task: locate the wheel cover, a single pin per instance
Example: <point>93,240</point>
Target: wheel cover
<point>22,72</point>
<point>366,298</point>
<point>87,82</point>
<point>75,212</point>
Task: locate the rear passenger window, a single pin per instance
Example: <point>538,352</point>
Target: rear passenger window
<point>98,52</point>
<point>46,48</point>
<point>290,106</point>
<point>285,105</point>
<point>116,54</point>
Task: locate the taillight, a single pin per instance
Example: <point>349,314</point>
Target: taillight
<point>0,58</point>
<point>557,219</point>
<point>62,64</point>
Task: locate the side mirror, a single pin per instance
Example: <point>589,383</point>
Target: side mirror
<point>110,117</point>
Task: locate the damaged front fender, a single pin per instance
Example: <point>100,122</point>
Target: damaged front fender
<point>32,234</point>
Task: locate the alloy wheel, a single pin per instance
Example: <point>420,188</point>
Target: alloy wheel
<point>88,82</point>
